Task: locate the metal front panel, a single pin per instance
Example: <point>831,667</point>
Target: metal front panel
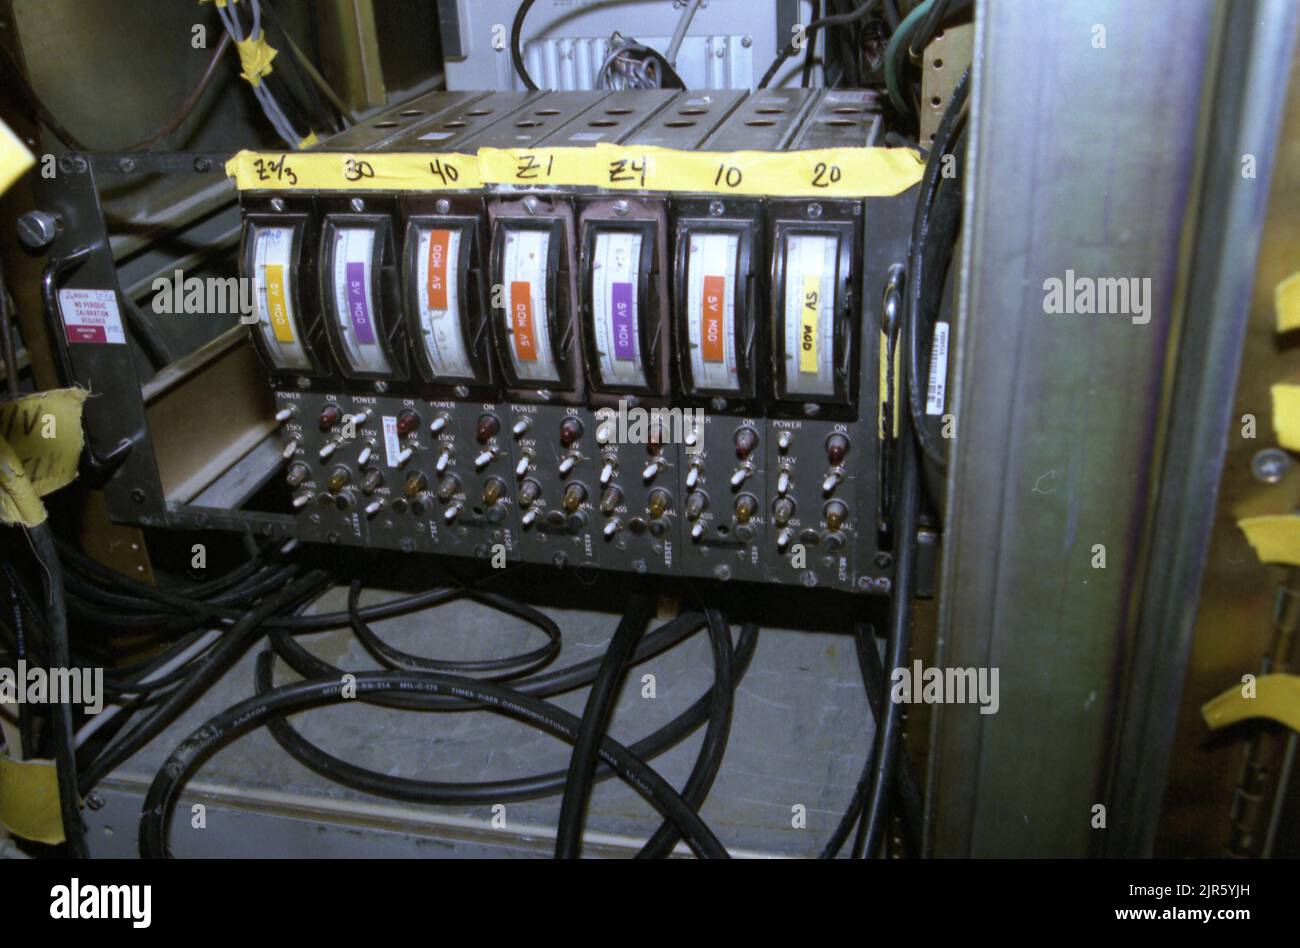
<point>688,120</point>
<point>766,121</point>
<point>1080,163</point>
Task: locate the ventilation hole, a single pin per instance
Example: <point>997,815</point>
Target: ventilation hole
<point>384,125</point>
<point>936,101</point>
<point>760,122</point>
<point>479,112</point>
<point>839,122</point>
<point>680,123</point>
<point>846,110</point>
<point>691,111</point>
<point>723,529</point>
<point>529,123</point>
<point>408,113</point>
<point>770,110</point>
<point>547,112</point>
<point>938,64</point>
<point>618,111</point>
<point>602,123</point>
<point>453,124</point>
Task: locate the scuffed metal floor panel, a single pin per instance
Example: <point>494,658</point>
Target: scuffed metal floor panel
<point>799,735</point>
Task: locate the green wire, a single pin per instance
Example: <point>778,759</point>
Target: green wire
<point>898,42</point>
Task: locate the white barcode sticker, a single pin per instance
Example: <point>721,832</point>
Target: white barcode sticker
<point>937,389</point>
<point>392,444</point>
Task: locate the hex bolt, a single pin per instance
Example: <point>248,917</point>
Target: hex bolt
<point>443,206</point>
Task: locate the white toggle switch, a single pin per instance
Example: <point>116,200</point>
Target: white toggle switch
<point>604,432</point>
<point>521,426</point>
<point>374,507</point>
<point>403,456</point>
<point>522,467</point>
<point>360,418</point>
<point>697,531</point>
<point>783,483</point>
<point>738,478</point>
<point>783,539</point>
<point>284,414</point>
<point>650,471</point>
<point>329,449</point>
<point>612,528</point>
<point>484,459</point>
<point>693,476</point>
<point>364,456</point>
<point>443,460</point>
<point>451,513</point>
<point>528,518</point>
<point>606,473</point>
<point>784,440</point>
<point>438,424</point>
<point>832,479</point>
<point>692,438</point>
<point>302,500</point>
<point>567,464</point>
<point>290,449</point>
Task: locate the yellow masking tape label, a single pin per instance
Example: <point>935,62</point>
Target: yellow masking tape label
<point>29,800</point>
<point>1276,697</point>
<point>1286,300</point>
<point>255,55</point>
<point>833,172</point>
<point>322,171</point>
<point>15,158</point>
<point>812,291</point>
<point>1286,415</point>
<point>275,302</point>
<point>1274,538</point>
<point>40,445</point>
<point>539,166</point>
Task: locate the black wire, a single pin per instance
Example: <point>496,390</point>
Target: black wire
<point>876,813</point>
<point>595,719</point>
<point>811,29</point>
<point>499,791</point>
<point>65,758</point>
<point>516,44</point>
<point>709,759</point>
<point>509,667</point>
<point>211,666</point>
<point>223,728</point>
<point>806,79</point>
<point>932,233</point>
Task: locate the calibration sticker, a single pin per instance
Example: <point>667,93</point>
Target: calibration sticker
<point>92,316</point>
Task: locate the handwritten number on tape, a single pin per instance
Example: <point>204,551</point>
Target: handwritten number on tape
<point>354,169</point>
<point>445,171</point>
<point>270,169</point>
<point>824,175</point>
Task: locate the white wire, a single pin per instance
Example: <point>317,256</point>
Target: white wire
<point>679,34</point>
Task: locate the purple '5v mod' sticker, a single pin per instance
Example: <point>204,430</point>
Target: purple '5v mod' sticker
<point>357,308</point>
<point>621,319</point>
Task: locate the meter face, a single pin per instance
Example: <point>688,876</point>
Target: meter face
<point>809,313</point>
<point>353,267</point>
<point>527,285</point>
<point>712,264</point>
<point>438,302</point>
<point>616,309</point>
<point>274,294</point>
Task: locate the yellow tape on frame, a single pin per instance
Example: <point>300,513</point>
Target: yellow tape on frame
<point>829,172</point>
<point>1275,538</point>
<point>1286,415</point>
<point>29,800</point>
